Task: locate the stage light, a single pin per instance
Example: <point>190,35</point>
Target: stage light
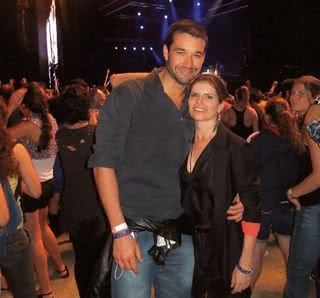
<point>166,16</point>
<point>134,48</point>
<point>141,27</point>
<point>151,48</point>
<point>143,48</point>
<point>124,48</point>
<point>170,1</point>
<point>116,48</point>
<point>198,3</point>
<point>139,14</point>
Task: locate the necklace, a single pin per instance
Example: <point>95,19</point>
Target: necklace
<point>189,164</point>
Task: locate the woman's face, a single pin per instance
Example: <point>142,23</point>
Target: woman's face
<point>300,99</point>
<point>204,102</point>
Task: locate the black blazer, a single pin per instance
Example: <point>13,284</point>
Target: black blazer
<point>224,169</point>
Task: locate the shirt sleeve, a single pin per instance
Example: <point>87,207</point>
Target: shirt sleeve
<point>112,128</point>
<point>246,181</point>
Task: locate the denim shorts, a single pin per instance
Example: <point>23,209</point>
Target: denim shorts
<point>279,221</point>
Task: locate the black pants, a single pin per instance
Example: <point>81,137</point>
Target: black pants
<point>17,266</point>
<point>87,245</point>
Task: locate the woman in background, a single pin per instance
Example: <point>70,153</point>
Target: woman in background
<point>276,149</point>
<point>37,133</point>
<point>241,119</point>
<point>15,256</point>
<point>305,243</point>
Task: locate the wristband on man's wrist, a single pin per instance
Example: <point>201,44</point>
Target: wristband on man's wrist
<point>121,234</point>
<point>118,228</point>
<point>244,271</point>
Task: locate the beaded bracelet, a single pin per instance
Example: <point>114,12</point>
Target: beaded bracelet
<point>244,271</point>
<point>121,234</point>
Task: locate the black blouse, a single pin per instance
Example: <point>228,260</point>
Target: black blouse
<point>224,169</point>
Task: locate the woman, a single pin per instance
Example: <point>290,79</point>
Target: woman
<point>219,166</point>
<point>242,119</point>
<point>305,196</point>
<point>15,259</point>
<point>37,132</point>
<point>276,150</point>
<point>81,212</point>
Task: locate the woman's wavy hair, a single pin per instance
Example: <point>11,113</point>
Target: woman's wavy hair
<point>278,109</point>
<point>8,165</point>
<point>35,101</point>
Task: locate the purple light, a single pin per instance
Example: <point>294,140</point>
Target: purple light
<point>139,14</point>
<point>143,48</point>
<point>166,16</point>
<point>141,27</point>
<point>198,3</point>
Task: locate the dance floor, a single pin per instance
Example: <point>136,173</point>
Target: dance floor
<point>270,284</point>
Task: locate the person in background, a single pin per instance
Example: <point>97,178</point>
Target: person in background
<point>37,133</point>
<point>305,244</point>
<point>276,150</point>
<point>241,119</point>
<point>81,213</point>
<point>15,251</point>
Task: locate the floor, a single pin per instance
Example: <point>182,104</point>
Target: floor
<point>270,285</point>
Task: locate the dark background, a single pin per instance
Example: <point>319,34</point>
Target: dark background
<point>258,39</point>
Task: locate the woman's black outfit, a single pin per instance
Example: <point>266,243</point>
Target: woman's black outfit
<point>81,212</point>
<point>240,129</point>
<point>224,168</point>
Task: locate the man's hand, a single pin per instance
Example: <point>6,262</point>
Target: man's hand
<point>126,252</point>
<point>235,211</point>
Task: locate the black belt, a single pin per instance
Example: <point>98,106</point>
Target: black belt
<point>167,236</point>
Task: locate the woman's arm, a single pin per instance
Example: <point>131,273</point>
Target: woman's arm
<point>4,211</point>
<point>26,170</point>
<point>240,278</point>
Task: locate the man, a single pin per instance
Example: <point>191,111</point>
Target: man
<point>143,137</point>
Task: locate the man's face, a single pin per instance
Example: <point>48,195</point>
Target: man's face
<point>185,57</point>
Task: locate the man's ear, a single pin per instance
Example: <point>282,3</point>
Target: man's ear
<point>165,51</point>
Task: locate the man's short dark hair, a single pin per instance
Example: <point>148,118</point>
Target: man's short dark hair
<point>188,26</point>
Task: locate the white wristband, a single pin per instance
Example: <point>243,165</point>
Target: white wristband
<point>120,227</point>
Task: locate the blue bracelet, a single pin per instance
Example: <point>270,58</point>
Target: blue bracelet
<point>121,234</point>
<point>244,271</point>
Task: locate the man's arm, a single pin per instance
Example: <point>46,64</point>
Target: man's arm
<point>126,250</point>
<point>107,185</point>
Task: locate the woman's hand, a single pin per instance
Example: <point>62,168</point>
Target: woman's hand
<point>293,199</point>
<point>240,281</point>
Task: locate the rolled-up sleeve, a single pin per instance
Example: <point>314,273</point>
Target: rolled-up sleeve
<point>112,128</point>
<point>247,182</point>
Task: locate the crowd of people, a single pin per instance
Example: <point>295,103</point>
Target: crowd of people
<point>168,182</point>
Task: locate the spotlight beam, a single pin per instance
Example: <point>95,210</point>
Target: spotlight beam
<point>119,8</point>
